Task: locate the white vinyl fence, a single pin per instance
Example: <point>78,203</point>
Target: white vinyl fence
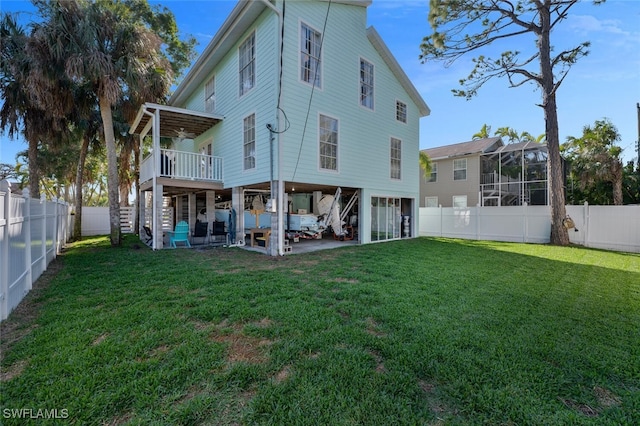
<point>95,220</point>
<point>32,233</point>
<point>605,227</point>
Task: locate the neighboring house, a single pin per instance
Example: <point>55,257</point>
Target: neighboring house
<point>486,172</point>
<point>289,102</point>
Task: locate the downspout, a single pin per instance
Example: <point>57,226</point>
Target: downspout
<point>279,183</point>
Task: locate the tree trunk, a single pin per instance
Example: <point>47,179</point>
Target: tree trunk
<point>113,188</point>
<point>136,177</point>
<point>77,225</point>
<point>617,172</point>
<point>125,174</point>
<point>555,173</point>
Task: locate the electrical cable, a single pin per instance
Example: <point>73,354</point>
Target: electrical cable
<point>315,75</point>
<point>286,120</point>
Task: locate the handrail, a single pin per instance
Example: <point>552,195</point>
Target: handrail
<point>183,165</point>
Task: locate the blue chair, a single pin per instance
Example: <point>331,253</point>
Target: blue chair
<point>180,234</point>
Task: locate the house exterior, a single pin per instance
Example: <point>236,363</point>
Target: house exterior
<point>290,103</point>
<point>486,172</point>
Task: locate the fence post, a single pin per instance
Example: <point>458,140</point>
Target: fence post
<point>27,239</point>
<point>43,246</point>
<point>5,195</point>
<point>440,210</point>
<point>56,228</point>
<point>585,218</point>
<point>478,221</point>
<point>525,224</point>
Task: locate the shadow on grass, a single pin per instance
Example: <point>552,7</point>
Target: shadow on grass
<point>421,331</point>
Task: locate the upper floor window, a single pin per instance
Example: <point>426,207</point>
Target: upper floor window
<point>434,173</point>
<point>249,142</point>
<point>396,155</point>
<point>210,95</point>
<point>310,48</point>
<point>401,112</point>
<point>247,64</point>
<point>460,169</point>
<point>366,84</point>
<point>328,131</point>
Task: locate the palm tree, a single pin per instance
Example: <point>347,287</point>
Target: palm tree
<point>112,53</point>
<point>18,113</point>
<point>595,158</point>
<point>513,136</point>
<point>425,164</point>
<point>484,133</point>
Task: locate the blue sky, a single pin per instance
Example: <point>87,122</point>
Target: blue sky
<point>606,83</point>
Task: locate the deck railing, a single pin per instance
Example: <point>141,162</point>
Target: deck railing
<point>183,165</point>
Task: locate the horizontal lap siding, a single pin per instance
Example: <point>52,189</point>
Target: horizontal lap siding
<point>261,100</point>
<point>445,187</point>
<point>364,135</point>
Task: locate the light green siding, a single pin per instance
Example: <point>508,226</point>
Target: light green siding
<point>364,139</point>
<point>227,135</point>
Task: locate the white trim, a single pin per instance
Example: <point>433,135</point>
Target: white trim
<point>255,142</point>
<point>397,71</point>
<point>321,169</point>
<point>466,168</point>
<point>299,52</point>
<point>400,159</point>
<point>406,112</point>
<point>373,84</point>
<point>434,168</point>
<point>208,96</point>
<point>453,201</point>
<point>253,34</point>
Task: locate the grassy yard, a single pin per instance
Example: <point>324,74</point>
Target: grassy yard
<point>425,331</point>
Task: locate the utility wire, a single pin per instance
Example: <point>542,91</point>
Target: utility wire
<point>315,75</point>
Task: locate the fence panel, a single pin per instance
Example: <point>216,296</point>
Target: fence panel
<point>29,240</point>
<point>95,220</point>
<point>606,227</point>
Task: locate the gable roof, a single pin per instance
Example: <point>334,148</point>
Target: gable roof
<point>478,146</point>
<point>239,20</point>
<point>242,17</point>
<point>397,71</point>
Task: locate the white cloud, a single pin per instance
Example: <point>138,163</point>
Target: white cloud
<point>586,24</point>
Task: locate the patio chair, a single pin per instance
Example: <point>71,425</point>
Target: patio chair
<point>148,234</point>
<point>218,231</point>
<point>201,231</point>
<point>179,234</point>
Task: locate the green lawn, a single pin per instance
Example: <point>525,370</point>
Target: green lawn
<point>424,331</point>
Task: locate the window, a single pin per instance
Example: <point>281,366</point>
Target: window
<point>401,111</point>
<point>247,64</point>
<point>328,143</point>
<point>366,84</point>
<point>434,173</point>
<point>460,201</point>
<point>431,201</point>
<point>249,140</point>
<point>210,95</point>
<point>460,169</point>
<point>310,47</point>
<point>396,155</point>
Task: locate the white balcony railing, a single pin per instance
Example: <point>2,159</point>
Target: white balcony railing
<point>183,165</point>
